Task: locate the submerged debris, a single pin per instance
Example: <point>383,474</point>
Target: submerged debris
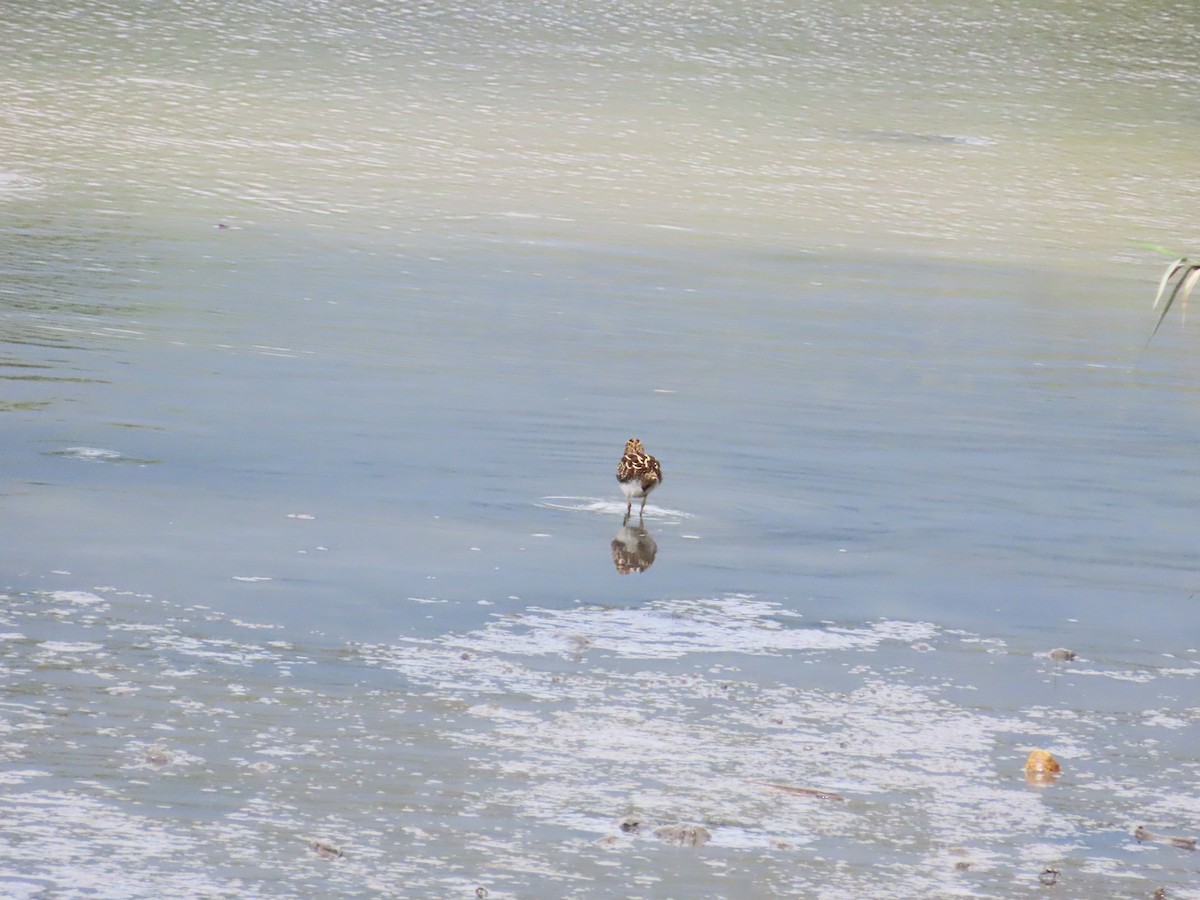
<point>684,835</point>
<point>1049,877</point>
<point>631,825</point>
<point>324,849</point>
<point>801,791</point>
<point>1142,834</point>
<point>1041,767</point>
<point>158,756</point>
<point>580,643</point>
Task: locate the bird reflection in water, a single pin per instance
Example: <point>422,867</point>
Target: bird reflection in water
<point>633,550</point>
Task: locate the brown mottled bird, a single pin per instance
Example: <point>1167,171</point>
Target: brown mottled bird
<point>639,473</point>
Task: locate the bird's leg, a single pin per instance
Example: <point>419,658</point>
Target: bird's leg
<point>643,511</point>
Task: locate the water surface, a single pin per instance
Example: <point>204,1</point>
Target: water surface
<point>323,328</point>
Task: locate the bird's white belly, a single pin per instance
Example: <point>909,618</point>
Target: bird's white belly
<point>633,488</point>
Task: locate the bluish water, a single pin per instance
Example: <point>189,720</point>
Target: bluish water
<point>323,330</point>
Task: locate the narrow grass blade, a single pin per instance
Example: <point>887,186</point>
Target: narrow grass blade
<point>1187,283</point>
<point>1190,280</point>
<point>1167,276</point>
<point>1157,248</point>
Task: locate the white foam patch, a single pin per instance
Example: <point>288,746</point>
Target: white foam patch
<point>96,850</point>
<point>69,647</point>
<point>690,739</point>
<point>611,507</point>
<point>78,598</point>
<point>21,776</point>
<point>93,453</point>
<point>671,629</point>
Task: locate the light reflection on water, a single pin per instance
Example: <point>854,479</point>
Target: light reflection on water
<point>1044,133</point>
<point>349,458</point>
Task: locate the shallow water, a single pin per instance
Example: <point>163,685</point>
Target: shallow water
<point>308,519</point>
<point>179,750</point>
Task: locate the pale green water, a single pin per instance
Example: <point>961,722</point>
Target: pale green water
<point>1040,133</point>
<point>306,522</point>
